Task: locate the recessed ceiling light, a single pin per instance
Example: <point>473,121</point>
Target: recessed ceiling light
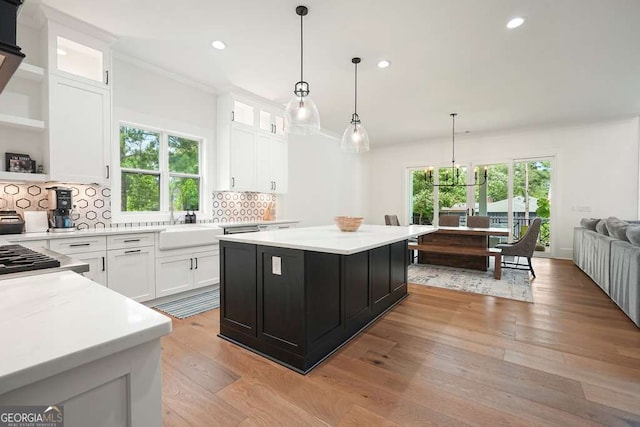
<point>218,44</point>
<point>515,23</point>
<point>61,51</point>
<point>384,63</point>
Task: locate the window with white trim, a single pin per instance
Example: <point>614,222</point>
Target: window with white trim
<point>159,169</point>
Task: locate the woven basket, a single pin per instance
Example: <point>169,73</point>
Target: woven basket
<point>348,223</point>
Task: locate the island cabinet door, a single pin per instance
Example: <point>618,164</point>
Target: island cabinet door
<point>357,298</point>
<point>398,266</point>
<point>281,298</point>
<point>380,278</point>
<point>238,309</point>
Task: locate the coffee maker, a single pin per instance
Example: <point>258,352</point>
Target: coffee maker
<point>60,206</point>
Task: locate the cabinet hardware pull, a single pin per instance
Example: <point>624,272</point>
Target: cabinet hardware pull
<point>108,172</point>
<point>103,265</point>
<point>275,185</point>
<point>233,181</point>
<point>233,116</point>
<point>274,128</point>
<point>191,264</point>
<point>107,77</point>
<point>135,251</point>
<point>131,240</point>
<point>75,245</point>
<point>196,263</point>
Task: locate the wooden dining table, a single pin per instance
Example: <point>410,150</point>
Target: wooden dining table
<point>463,237</point>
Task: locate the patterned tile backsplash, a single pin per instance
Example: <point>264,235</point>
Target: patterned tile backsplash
<point>93,204</point>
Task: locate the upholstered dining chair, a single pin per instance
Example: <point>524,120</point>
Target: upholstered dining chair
<point>449,221</point>
<point>522,248</point>
<point>391,220</point>
<point>478,221</point>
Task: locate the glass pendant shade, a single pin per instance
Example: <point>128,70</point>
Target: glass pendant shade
<point>301,117</point>
<point>355,139</point>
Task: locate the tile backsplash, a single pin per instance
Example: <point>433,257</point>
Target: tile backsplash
<point>93,204</point>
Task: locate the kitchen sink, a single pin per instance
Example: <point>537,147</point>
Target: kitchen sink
<point>188,235</point>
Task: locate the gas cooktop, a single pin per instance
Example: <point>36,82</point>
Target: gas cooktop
<point>16,258</point>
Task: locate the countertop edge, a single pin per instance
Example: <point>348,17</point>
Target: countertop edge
<point>50,368</point>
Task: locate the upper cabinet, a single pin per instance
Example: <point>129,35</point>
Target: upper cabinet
<point>78,56</point>
<point>252,145</point>
<point>79,101</point>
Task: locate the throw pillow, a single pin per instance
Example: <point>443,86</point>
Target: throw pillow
<point>633,234</point>
<point>616,227</point>
<point>589,223</point>
<point>601,227</point>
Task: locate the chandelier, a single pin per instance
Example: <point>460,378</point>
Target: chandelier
<point>452,179</point>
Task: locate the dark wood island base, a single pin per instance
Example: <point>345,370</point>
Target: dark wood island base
<point>317,303</point>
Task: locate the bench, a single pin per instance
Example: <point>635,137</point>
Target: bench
<point>464,250</point>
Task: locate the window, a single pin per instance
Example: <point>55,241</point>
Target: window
<point>159,170</point>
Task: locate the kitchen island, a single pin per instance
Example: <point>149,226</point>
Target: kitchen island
<point>72,342</point>
<point>295,296</point>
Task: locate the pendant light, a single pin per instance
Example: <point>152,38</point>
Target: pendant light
<point>453,179</point>
<point>301,115</point>
<point>355,138</point>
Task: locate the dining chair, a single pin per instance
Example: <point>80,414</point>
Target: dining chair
<point>522,248</point>
<point>449,221</point>
<point>476,221</point>
<point>391,220</point>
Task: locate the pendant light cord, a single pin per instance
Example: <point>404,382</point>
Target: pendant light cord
<point>301,48</point>
<point>453,139</point>
<point>355,101</point>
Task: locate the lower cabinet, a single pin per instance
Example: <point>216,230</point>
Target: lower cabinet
<point>131,272</point>
<point>97,266</point>
<point>193,270</point>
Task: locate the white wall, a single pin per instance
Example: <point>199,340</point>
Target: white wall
<point>596,167</point>
<point>323,181</point>
<point>145,96</point>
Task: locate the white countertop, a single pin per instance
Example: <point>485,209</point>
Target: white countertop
<point>23,237</point>
<point>328,238</point>
<point>54,322</point>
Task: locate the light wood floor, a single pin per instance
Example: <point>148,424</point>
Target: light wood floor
<point>440,357</point>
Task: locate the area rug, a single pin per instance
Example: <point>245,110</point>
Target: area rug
<point>190,306</point>
<point>514,284</point>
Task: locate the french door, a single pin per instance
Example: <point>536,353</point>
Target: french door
<point>513,195</point>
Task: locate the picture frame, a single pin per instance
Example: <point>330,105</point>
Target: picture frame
<point>19,163</point>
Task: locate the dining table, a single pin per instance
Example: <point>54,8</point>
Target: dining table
<point>463,237</point>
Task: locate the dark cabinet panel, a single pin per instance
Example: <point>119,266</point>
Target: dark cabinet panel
<point>281,297</point>
<point>238,287</point>
<point>379,268</point>
<point>323,294</point>
<point>398,264</point>
<point>356,280</point>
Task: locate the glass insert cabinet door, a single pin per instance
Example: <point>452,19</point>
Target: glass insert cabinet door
<point>243,113</point>
<point>80,60</point>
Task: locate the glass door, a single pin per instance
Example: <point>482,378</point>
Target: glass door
<point>532,199</point>
<point>492,198</point>
<point>452,199</point>
<point>421,200</point>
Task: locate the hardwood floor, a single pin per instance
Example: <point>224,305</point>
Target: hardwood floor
<point>440,357</point>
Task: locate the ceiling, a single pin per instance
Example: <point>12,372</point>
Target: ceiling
<point>572,60</point>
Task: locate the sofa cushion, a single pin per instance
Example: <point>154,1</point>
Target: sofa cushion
<point>601,227</point>
<point>633,234</point>
<point>589,223</point>
<point>617,228</point>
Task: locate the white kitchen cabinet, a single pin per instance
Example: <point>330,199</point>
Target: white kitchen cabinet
<point>248,131</point>
<point>34,244</point>
<point>79,129</point>
<point>271,169</point>
<point>97,266</point>
<point>242,174</point>
<point>76,54</point>
<point>186,271</point>
<point>131,272</point>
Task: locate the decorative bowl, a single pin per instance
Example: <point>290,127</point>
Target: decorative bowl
<point>348,223</point>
